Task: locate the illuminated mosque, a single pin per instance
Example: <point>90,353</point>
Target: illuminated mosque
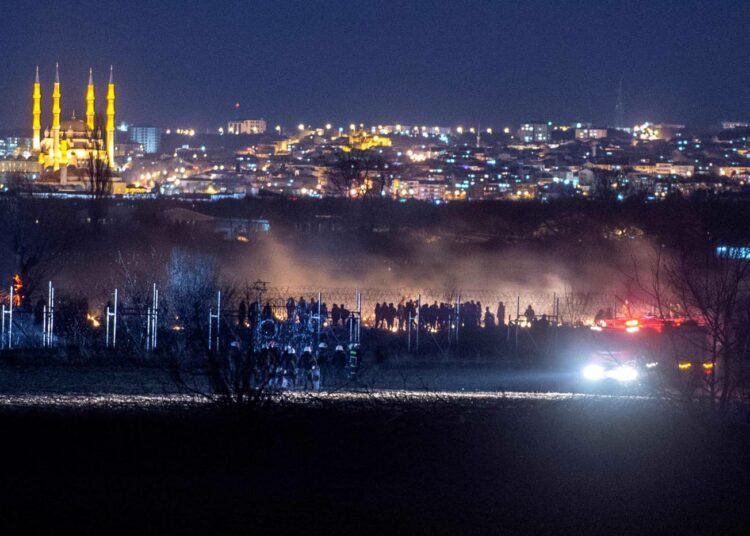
<point>71,143</point>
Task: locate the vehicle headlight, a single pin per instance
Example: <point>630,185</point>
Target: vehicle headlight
<point>623,374</point>
<point>593,372</point>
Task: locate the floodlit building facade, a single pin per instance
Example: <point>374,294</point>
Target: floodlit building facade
<point>247,126</point>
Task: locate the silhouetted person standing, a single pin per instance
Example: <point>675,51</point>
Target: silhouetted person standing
<point>489,319</point>
<point>501,313</point>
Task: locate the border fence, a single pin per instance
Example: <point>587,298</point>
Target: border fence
<point>294,317</point>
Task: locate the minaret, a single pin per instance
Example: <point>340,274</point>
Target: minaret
<point>111,119</point>
<point>90,102</point>
<point>37,114</point>
<point>56,120</point>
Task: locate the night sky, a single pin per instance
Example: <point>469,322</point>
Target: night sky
<point>427,62</point>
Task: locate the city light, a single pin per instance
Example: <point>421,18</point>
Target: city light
<point>497,300</point>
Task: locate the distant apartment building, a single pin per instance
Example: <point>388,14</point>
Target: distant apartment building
<point>734,172</point>
<point>534,132</point>
<point>247,126</point>
<point>24,166</point>
<point>15,146</point>
<point>588,133</point>
<point>422,189</point>
<point>666,168</point>
<point>148,137</point>
<point>412,130</point>
<point>729,125</point>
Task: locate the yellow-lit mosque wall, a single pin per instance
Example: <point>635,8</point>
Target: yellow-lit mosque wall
<point>74,141</point>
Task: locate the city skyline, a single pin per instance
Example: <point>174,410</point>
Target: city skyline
<point>499,64</point>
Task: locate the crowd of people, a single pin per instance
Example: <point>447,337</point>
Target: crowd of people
<point>300,311</point>
<point>388,316</point>
<point>437,316</point>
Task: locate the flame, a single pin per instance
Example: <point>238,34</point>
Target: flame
<point>93,320</point>
<point>17,289</point>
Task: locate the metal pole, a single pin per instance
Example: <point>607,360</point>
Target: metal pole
<point>10,320</point>
<point>359,311</point>
<point>320,320</point>
<point>419,317</point>
<point>106,332</point>
<point>114,325</point>
<point>148,328</point>
<point>49,316</point>
<point>518,316</point>
<point>458,319</point>
<point>518,308</point>
<point>155,317</point>
<point>210,322</point>
<point>2,328</point>
<point>351,319</point>
<point>51,326</point>
<point>211,318</point>
<point>218,317</point>
<point>408,333</point>
<point>44,326</point>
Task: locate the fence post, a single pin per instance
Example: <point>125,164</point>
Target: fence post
<point>44,326</point>
<point>10,319</point>
<point>211,318</point>
<point>408,333</point>
<point>111,315</point>
<point>359,315</point>
<point>419,317</point>
<point>155,317</point>
<point>151,316</point>
<point>210,325</point>
<point>148,328</point>
<point>114,325</point>
<point>320,321</point>
<point>51,313</point>
<point>458,320</point>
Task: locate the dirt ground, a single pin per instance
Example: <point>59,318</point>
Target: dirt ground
<point>585,466</point>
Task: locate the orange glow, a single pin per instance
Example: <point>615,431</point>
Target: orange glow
<point>17,288</point>
<point>93,320</point>
<point>708,365</point>
<point>684,366</point>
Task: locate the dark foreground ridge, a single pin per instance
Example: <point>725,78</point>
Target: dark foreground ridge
<point>592,466</point>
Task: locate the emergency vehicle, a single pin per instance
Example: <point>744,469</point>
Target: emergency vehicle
<point>634,350</point>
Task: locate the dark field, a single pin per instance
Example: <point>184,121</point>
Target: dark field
<point>494,465</point>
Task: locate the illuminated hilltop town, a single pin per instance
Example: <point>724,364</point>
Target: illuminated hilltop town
<point>59,155</point>
<point>536,160</point>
